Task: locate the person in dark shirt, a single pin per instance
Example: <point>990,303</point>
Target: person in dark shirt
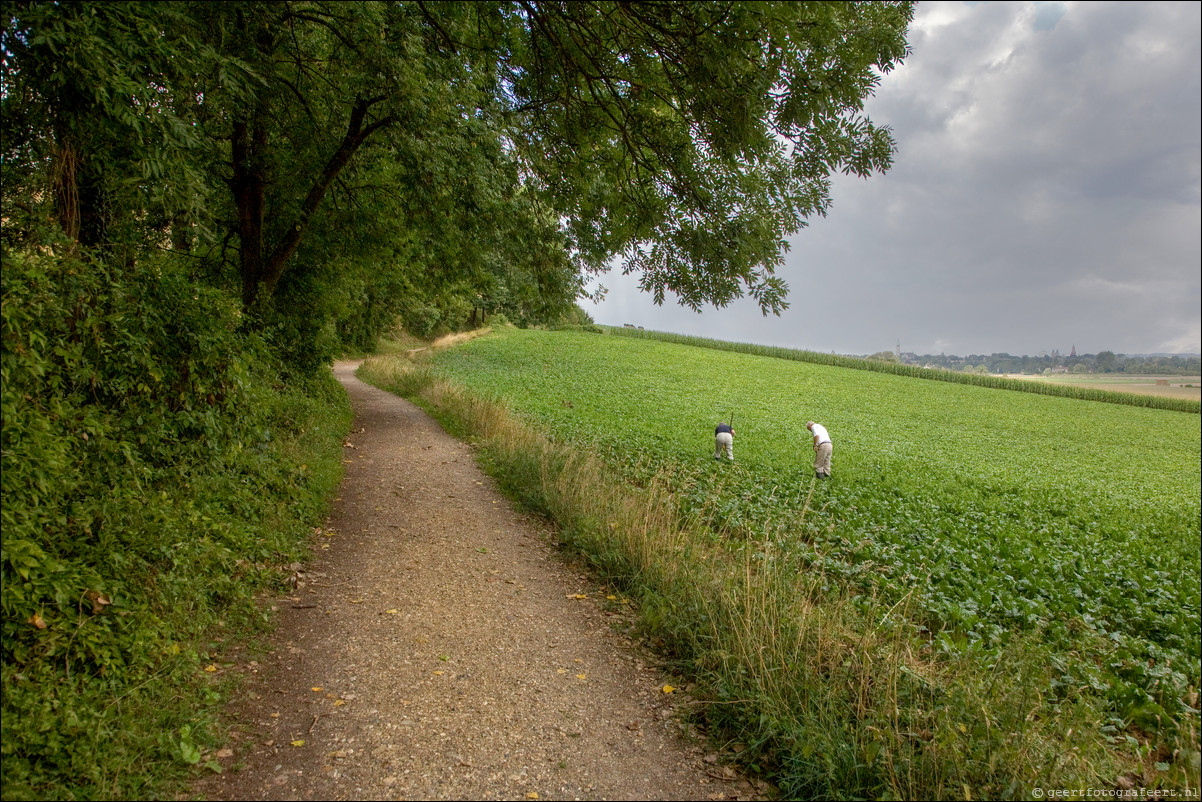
<point>724,441</point>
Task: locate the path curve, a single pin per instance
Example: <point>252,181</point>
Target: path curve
<point>436,648</point>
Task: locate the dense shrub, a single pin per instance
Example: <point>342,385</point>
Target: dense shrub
<point>155,473</point>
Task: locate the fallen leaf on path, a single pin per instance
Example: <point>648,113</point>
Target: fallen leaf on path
<point>668,689</point>
<point>581,676</point>
<point>576,596</point>
<point>210,668</point>
<point>299,742</point>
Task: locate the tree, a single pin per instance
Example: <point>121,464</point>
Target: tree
<point>693,139</point>
<point>94,131</point>
<point>690,140</point>
<point>318,155</point>
<point>1106,361</point>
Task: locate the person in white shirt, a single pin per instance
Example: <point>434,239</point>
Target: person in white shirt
<point>822,450</point>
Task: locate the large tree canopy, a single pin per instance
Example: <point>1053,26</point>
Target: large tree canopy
<point>692,138</point>
<point>318,156</point>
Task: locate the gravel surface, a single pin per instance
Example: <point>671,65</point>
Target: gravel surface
<point>438,648</point>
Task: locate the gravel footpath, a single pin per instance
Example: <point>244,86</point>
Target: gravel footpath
<point>437,648</point>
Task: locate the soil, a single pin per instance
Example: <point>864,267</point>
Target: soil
<point>438,647</point>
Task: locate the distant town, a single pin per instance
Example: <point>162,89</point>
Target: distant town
<point>1053,363</point>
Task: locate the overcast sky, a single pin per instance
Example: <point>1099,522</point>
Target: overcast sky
<point>1045,195</point>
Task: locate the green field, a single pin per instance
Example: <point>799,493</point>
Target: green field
<point>991,512</point>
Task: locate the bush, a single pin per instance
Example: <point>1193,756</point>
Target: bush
<point>155,471</point>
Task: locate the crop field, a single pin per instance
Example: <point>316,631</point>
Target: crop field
<point>991,512</point>
<point>1189,387</point>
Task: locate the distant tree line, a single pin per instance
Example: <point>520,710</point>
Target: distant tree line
<point>1102,362</point>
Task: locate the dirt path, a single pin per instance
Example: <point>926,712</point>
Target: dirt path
<point>436,648</point>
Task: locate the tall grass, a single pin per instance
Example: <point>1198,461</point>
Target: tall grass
<point>913,371</point>
<point>828,696</point>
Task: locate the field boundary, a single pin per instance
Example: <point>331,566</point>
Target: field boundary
<point>913,371</point>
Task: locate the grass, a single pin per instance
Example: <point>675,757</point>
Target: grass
<point>836,661</point>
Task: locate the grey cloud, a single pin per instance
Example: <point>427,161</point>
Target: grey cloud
<point>1045,193</point>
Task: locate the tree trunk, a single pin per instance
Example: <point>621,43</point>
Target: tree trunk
<point>260,268</point>
<point>249,185</point>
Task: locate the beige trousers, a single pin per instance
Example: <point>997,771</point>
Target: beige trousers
<point>822,459</point>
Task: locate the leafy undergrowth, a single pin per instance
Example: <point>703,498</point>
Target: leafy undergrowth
<point>158,470</point>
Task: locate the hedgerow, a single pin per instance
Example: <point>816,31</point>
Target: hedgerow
<point>156,472</point>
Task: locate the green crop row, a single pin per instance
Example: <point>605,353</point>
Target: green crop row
<point>916,372</point>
